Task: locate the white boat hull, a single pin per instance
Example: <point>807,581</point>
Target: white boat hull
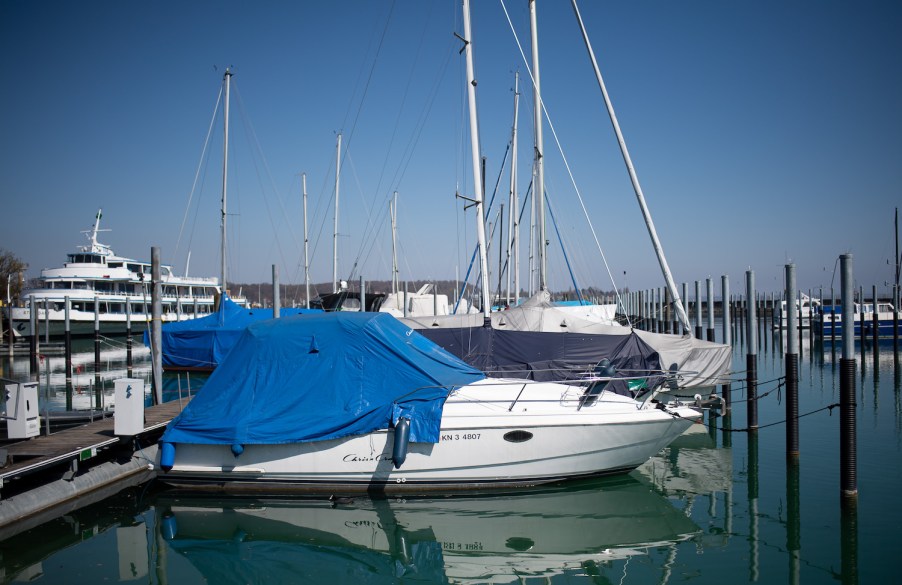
<point>481,446</point>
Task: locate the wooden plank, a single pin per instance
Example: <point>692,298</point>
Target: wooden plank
<point>44,451</point>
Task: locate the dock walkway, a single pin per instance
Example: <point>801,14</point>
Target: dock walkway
<point>57,466</point>
<point>75,444</point>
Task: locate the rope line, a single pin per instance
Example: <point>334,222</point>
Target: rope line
<point>829,407</point>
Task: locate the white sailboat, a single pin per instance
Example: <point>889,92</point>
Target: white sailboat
<point>522,341</point>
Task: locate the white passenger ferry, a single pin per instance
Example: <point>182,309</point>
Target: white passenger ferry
<point>98,282</point>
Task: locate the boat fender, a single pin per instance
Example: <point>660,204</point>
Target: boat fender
<point>169,527</point>
<point>402,439</point>
<point>167,456</point>
<point>237,449</point>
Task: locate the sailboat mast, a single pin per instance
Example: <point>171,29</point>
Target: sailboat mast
<point>335,230</point>
<point>539,186</point>
<point>532,237</point>
<point>226,80</point>
<point>394,250</point>
<point>659,250</point>
<point>306,244</point>
<point>477,177</point>
<point>514,223</point>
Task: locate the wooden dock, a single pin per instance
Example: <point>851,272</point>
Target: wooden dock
<point>45,471</point>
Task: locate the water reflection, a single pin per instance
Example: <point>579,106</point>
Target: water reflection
<point>589,528</point>
<point>574,530</point>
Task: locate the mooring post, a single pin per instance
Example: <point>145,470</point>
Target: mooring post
<point>800,315</point>
<point>792,372</point>
<point>128,334</point>
<point>710,284</point>
<point>96,337</point>
<point>362,294</point>
<point>98,390</point>
<point>751,363</point>
<point>32,336</point>
<point>67,341</point>
<point>658,310</point>
<point>698,310</point>
<point>896,321</point>
<point>276,298</point>
<point>848,455</point>
<point>9,330</point>
<point>727,334</point>
<point>875,319</point>
<point>684,328</point>
<point>156,325</point>
<point>810,323</point>
<point>861,328</point>
<point>666,311</point>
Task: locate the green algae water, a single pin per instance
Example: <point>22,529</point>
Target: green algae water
<point>717,506</point>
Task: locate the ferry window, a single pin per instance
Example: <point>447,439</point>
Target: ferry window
<point>115,307</point>
<point>115,264</point>
<point>135,268</point>
<point>137,308</point>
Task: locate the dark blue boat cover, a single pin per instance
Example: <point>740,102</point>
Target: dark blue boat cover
<point>323,376</point>
<point>202,343</point>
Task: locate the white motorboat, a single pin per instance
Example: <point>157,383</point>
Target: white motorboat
<point>114,288</point>
<point>806,309</point>
<point>354,402</point>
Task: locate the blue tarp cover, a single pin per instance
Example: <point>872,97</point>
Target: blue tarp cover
<point>322,376</point>
<point>205,341</point>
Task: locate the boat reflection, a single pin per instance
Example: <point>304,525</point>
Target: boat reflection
<point>491,538</point>
<point>694,469</point>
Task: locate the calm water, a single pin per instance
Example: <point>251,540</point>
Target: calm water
<point>715,507</point>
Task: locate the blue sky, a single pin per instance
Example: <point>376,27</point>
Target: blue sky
<point>762,132</point>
